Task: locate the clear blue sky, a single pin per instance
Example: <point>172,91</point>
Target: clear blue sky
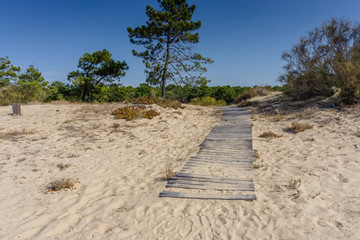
<point>245,38</point>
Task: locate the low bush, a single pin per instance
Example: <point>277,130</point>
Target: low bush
<point>165,103</point>
<point>130,113</point>
<point>252,92</point>
<point>299,127</point>
<point>207,101</point>
<point>143,100</point>
<point>270,135</point>
<point>65,183</point>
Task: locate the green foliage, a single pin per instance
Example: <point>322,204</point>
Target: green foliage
<point>207,101</point>
<point>168,41</point>
<point>143,100</point>
<point>327,58</point>
<point>20,87</point>
<point>96,68</point>
<point>8,72</point>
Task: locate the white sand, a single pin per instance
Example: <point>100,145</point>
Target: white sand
<point>121,170</point>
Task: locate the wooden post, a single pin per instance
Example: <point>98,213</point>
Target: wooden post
<point>16,109</point>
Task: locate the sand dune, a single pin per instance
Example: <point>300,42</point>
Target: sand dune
<point>121,168</point>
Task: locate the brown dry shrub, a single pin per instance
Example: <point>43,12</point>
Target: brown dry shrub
<point>169,173</point>
<point>270,135</point>
<point>143,100</point>
<point>64,183</point>
<point>150,114</point>
<point>299,127</point>
<point>128,113</point>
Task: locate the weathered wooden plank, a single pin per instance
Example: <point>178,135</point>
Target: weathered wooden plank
<point>248,197</point>
<point>204,182</point>
<point>245,160</point>
<point>247,165</point>
<point>180,174</point>
<point>16,109</point>
<point>211,180</point>
<point>205,187</point>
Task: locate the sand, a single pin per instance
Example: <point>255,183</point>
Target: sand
<point>121,167</point>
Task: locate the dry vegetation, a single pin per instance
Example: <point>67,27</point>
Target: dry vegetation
<point>299,127</point>
<point>63,166</point>
<point>270,135</point>
<point>64,183</point>
<point>169,173</point>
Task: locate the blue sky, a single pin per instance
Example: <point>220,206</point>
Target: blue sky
<point>245,38</point>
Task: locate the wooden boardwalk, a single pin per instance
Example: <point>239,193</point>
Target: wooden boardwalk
<point>226,158</point>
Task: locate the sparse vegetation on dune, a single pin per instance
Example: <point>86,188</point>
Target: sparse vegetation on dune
<point>130,113</point>
<point>207,101</point>
<point>270,135</point>
<point>61,184</point>
<point>297,127</point>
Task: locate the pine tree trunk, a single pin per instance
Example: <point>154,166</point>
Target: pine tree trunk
<point>163,80</point>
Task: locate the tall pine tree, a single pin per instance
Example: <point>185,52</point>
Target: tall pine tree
<point>168,39</point>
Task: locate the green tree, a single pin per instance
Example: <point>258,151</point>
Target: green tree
<point>324,59</point>
<point>168,41</point>
<point>96,68</point>
<point>31,85</point>
<point>8,72</point>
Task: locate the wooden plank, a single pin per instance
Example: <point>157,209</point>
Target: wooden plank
<point>211,180</point>
<point>16,109</point>
<point>180,174</point>
<point>215,188</point>
<point>220,163</point>
<point>248,197</point>
<point>245,160</point>
<point>204,182</point>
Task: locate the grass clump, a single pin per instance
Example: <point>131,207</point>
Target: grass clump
<point>169,173</point>
<point>299,127</point>
<point>64,183</point>
<point>270,135</point>
<point>130,113</point>
<point>207,101</point>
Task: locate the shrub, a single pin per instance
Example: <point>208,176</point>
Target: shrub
<point>299,127</point>
<point>207,101</point>
<point>129,113</point>
<point>150,114</point>
<point>65,183</point>
<point>252,92</point>
<point>329,56</point>
<point>270,135</point>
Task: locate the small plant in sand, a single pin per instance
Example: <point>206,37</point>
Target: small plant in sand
<point>279,117</point>
<point>169,173</point>
<point>270,135</point>
<point>63,166</point>
<point>257,165</point>
<point>58,185</point>
<point>295,185</point>
<point>299,127</point>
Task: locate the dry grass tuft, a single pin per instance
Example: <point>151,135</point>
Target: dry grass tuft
<point>270,135</point>
<point>257,155</point>
<point>130,113</point>
<point>169,173</point>
<point>58,185</point>
<point>63,166</point>
<point>279,117</point>
<point>358,133</point>
<point>299,127</point>
<point>295,185</point>
<point>15,135</point>
<point>257,165</point>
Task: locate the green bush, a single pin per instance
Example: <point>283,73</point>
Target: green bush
<point>207,101</point>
